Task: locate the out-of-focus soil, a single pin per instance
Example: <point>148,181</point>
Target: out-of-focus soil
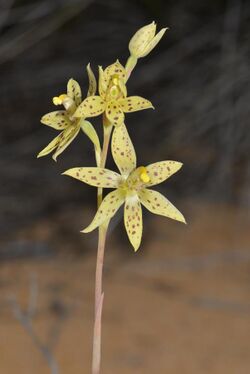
<point>180,305</point>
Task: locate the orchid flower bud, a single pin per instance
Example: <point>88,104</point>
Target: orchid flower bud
<point>144,40</point>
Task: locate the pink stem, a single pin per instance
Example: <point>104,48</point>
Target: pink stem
<point>99,295</point>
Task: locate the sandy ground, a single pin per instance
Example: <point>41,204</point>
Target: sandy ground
<point>180,305</point>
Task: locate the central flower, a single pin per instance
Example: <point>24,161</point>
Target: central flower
<point>112,99</point>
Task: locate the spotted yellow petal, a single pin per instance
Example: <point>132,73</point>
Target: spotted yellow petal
<point>114,69</point>
<point>68,135</point>
<point>160,171</point>
<point>123,150</point>
<point>114,113</point>
<point>92,81</point>
<point>154,42</point>
<point>97,177</point>
<point>74,91</point>
<point>133,220</point>
<point>92,106</point>
<point>103,84</point>
<point>134,103</point>
<point>141,38</point>
<point>51,146</point>
<point>58,120</point>
<point>109,206</point>
<point>156,203</point>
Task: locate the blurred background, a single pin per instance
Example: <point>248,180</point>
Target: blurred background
<point>181,303</point>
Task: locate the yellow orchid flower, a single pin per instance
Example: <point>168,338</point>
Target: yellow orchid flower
<point>65,121</point>
<point>112,97</point>
<point>142,43</point>
<point>131,187</point>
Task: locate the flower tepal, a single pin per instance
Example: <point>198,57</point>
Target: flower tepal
<point>131,187</point>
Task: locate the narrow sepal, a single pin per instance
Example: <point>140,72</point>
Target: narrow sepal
<point>57,119</point>
<point>68,135</point>
<point>74,91</point>
<point>94,176</point>
<point>114,69</point>
<point>109,206</point>
<point>156,203</point>
<point>92,81</point>
<point>50,147</point>
<point>114,113</point>
<point>102,84</point>
<point>92,106</point>
<point>133,220</point>
<point>160,171</point>
<point>135,103</point>
<point>123,151</point>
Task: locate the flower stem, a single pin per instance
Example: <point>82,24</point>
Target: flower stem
<point>107,129</point>
<point>130,65</point>
<point>99,294</point>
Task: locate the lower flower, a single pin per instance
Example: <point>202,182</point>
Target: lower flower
<point>131,187</point>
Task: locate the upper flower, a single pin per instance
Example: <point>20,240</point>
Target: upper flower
<point>64,119</point>
<point>144,40</point>
<point>112,97</point>
<point>131,187</point>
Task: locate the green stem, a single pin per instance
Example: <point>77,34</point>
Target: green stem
<point>107,129</point>
<point>99,295</point>
<point>130,65</point>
